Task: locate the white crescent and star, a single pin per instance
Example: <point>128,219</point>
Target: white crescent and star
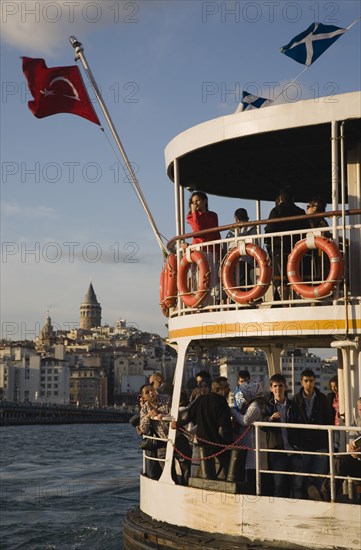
<point>46,92</point>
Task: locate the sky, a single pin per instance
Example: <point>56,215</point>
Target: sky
<point>68,213</point>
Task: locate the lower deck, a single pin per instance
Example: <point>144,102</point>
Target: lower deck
<point>257,520</point>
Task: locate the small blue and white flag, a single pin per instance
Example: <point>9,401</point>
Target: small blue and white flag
<point>250,101</point>
<point>306,47</point>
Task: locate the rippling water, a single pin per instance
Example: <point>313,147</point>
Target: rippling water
<point>67,487</point>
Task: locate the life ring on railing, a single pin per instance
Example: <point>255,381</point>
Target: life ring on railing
<point>194,299</point>
<point>334,276</point>
<point>168,284</point>
<point>228,274</point>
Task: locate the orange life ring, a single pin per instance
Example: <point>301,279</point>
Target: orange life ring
<point>168,284</point>
<point>194,299</point>
<point>334,276</point>
<point>161,292</point>
<point>262,283</point>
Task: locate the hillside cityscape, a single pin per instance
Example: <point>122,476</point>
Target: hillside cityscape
<point>99,365</point>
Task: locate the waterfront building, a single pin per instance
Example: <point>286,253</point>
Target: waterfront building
<point>54,380</point>
<point>34,379</point>
<point>292,363</point>
<point>128,374</point>
<point>88,387</point>
<point>254,362</point>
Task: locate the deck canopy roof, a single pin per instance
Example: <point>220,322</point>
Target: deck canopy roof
<point>251,155</point>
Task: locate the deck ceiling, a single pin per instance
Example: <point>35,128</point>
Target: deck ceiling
<point>257,166</point>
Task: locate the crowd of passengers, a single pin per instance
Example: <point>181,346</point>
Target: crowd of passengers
<point>314,266</point>
<point>206,424</point>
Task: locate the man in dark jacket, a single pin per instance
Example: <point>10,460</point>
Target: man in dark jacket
<point>279,247</point>
<point>281,409</point>
<point>313,408</point>
<point>211,414</point>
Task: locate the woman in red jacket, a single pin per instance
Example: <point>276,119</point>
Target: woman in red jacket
<point>199,217</point>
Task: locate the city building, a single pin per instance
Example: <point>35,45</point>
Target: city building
<point>34,379</point>
<point>129,374</point>
<point>88,387</point>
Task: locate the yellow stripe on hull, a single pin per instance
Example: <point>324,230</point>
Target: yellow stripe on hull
<point>269,328</point>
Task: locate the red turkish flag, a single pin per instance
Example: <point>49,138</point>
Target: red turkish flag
<point>57,90</point>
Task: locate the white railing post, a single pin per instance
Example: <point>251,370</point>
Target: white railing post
<point>258,475</point>
<point>331,459</point>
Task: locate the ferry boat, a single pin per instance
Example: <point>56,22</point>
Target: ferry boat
<point>315,146</point>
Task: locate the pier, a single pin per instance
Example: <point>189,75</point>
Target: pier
<point>17,414</point>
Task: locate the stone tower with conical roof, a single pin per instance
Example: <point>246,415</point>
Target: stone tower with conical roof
<point>90,310</point>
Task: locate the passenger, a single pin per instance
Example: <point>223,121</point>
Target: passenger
<point>246,263</point>
<point>334,404</point>
<point>160,385</point>
<point>203,388</point>
<point>199,218</point>
<point>153,407</point>
<point>135,419</point>
<point>279,247</point>
<point>350,465</point>
<point>241,215</point>
<point>355,448</point>
<point>313,408</point>
<point>316,205</point>
<point>281,409</point>
<point>152,467</point>
<point>211,415</point>
<point>203,375</point>
<point>316,264</point>
<point>243,462</point>
<point>242,378</point>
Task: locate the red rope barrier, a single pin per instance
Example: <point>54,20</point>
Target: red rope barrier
<point>213,444</point>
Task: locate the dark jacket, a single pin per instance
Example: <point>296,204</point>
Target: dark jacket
<point>313,440</point>
<point>283,210</point>
<point>211,414</point>
<point>330,397</point>
<point>274,434</point>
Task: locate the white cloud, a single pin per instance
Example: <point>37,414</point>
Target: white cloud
<point>43,27</point>
<point>14,209</point>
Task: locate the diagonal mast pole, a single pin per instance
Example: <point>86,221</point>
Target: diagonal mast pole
<point>79,54</point>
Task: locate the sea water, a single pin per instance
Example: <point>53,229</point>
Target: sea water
<point>67,487</point>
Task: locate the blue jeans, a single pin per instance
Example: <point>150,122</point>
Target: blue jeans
<point>284,485</point>
<point>314,464</point>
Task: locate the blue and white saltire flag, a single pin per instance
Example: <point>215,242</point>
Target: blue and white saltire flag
<point>250,101</point>
<point>306,47</point>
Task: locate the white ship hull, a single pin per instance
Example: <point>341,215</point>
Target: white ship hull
<point>276,522</point>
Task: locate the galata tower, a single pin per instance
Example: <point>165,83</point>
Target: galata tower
<point>90,310</point>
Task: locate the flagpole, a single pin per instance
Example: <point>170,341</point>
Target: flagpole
<point>79,54</point>
<point>292,82</point>
<point>353,23</point>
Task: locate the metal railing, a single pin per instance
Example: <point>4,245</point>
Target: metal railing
<point>154,458</point>
<point>314,267</point>
<point>331,454</point>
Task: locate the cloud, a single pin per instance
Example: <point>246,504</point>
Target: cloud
<point>14,209</point>
<point>42,27</point>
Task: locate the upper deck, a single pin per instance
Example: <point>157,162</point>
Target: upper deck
<point>313,145</point>
<point>252,154</point>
